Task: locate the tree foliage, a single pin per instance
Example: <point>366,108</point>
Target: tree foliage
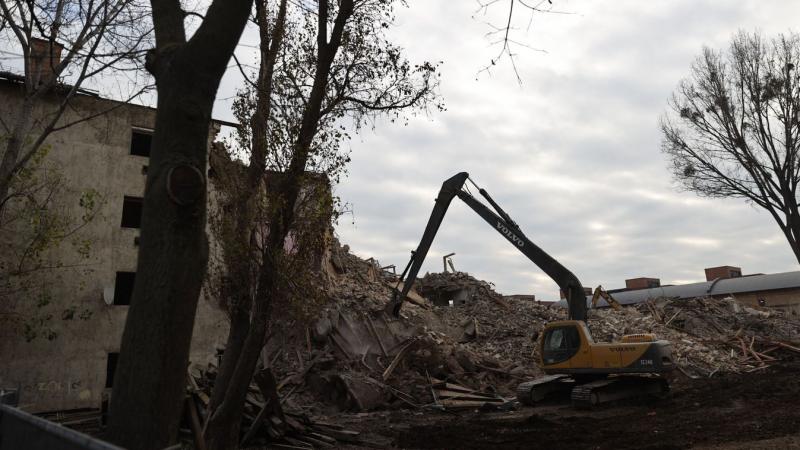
<point>36,224</point>
<point>368,78</point>
<point>731,130</point>
<point>323,74</point>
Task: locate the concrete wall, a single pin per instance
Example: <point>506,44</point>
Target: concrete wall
<point>69,371</point>
<point>787,300</point>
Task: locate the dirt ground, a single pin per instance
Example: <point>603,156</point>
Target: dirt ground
<point>741,411</point>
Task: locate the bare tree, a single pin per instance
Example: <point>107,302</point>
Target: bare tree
<point>516,15</point>
<point>64,44</point>
<point>320,69</point>
<point>151,373</point>
<point>731,130</point>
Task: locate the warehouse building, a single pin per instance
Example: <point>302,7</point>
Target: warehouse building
<point>777,290</point>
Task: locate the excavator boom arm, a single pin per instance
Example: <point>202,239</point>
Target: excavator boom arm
<point>503,224</point>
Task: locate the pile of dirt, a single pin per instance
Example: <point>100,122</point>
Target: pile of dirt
<point>505,328</point>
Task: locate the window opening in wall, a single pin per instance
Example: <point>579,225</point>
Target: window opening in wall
<point>131,212</point>
<point>123,288</point>
<point>140,142</point>
<point>111,368</point>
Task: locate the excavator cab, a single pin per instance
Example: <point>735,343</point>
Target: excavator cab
<point>560,343</point>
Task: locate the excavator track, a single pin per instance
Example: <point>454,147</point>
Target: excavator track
<point>607,390</point>
<point>532,392</point>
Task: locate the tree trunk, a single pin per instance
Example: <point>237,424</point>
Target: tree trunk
<point>151,374</point>
<point>222,432</point>
<point>237,335</point>
<point>223,428</point>
<point>792,232</point>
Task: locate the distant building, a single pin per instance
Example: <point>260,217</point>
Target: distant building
<point>642,283</point>
<point>778,290</point>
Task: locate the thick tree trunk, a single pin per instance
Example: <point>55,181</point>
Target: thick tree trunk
<point>148,387</point>
<point>151,374</point>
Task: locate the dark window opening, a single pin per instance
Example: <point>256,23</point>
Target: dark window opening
<point>132,212</point>
<point>111,368</point>
<point>123,288</point>
<point>561,344</point>
<point>141,142</point>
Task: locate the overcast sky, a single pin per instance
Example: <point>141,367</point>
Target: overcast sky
<point>573,154</point>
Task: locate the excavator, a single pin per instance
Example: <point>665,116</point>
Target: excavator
<point>599,293</point>
<point>591,372</point>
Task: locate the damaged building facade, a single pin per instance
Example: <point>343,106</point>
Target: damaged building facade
<point>60,339</point>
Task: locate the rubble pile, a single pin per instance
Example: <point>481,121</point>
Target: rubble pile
<point>438,287</point>
<point>355,357</point>
<point>708,335</point>
<point>505,328</point>
<point>264,420</point>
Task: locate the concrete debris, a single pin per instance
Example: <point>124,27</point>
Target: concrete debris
<point>473,352</point>
<point>708,335</point>
<point>456,289</point>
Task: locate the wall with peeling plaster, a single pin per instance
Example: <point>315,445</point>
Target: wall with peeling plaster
<point>69,371</point>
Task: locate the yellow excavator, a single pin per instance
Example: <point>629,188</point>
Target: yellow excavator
<point>611,301</point>
<point>590,372</point>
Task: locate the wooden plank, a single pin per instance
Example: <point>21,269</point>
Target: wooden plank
<point>323,437</point>
<point>457,395</point>
<point>462,403</point>
<point>328,425</point>
<point>313,441</point>
<point>371,326</point>
<point>388,372</point>
<point>298,443</point>
<point>343,435</point>
<point>787,346</point>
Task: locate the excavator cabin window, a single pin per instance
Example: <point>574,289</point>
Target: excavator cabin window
<point>560,344</point>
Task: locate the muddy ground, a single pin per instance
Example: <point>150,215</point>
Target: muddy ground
<point>737,411</point>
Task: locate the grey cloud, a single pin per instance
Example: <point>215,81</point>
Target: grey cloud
<point>573,154</point>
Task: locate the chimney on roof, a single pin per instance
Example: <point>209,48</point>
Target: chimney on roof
<point>43,58</point>
<point>642,283</point>
<point>712,273</point>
